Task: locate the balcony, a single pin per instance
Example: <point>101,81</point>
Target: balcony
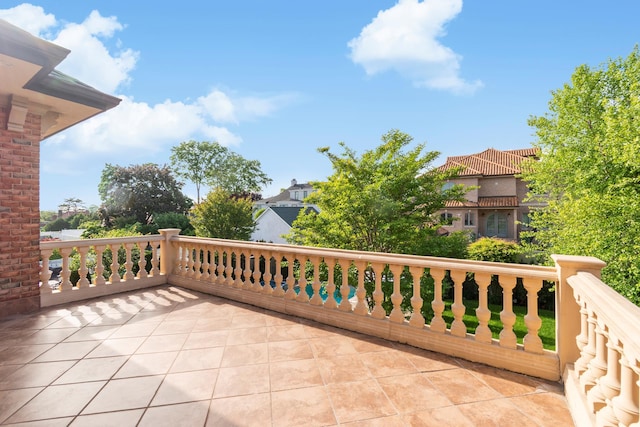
<point>193,333</point>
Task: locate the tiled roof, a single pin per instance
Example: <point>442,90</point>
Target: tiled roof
<point>486,202</point>
<point>490,162</point>
<point>289,214</point>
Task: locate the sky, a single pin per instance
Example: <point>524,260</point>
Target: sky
<point>276,80</point>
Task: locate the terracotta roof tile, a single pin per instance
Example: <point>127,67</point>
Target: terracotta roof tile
<point>490,162</point>
<point>486,202</point>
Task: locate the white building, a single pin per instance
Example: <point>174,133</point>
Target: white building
<point>276,221</point>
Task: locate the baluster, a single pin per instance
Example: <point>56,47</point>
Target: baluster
<point>128,264</point>
<point>608,385</point>
<point>625,405</point>
<point>213,265</point>
<point>278,291</point>
<point>507,316</point>
<point>316,298</point>
<point>331,284</point>
<point>115,265</point>
<point>458,327</point>
<point>396,315</point>
<point>45,273</point>
<point>345,290</point>
<point>142,260</point>
<point>228,271</point>
<point>361,307</point>
<point>483,333</point>
<point>197,262</point>
<point>266,277</point>
<point>247,270</point>
<point>378,311</point>
<point>302,281</point>
<point>65,283</point>
<point>220,267</point>
<point>583,337</point>
<point>597,366</point>
<point>291,281</point>
<point>100,281</point>
<point>206,255</point>
<point>417,319</point>
<point>238,272</point>
<point>256,286</point>
<point>437,323</point>
<point>589,350</point>
<point>178,262</point>
<point>155,270</point>
<point>191,261</point>
<point>83,270</point>
<point>532,342</point>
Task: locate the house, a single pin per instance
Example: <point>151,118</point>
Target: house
<point>292,196</point>
<point>275,221</point>
<point>495,205</point>
<point>36,102</point>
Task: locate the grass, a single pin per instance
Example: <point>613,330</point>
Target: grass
<point>547,331</point>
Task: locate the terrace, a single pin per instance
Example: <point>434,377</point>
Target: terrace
<point>192,334</point>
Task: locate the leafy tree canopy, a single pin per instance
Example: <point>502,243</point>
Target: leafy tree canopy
<point>382,200</point>
<point>210,163</point>
<point>589,171</point>
<point>222,216</point>
<point>140,191</point>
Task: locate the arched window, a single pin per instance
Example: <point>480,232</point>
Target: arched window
<point>497,225</point>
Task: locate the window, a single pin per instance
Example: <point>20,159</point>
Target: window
<point>526,220</point>
<point>497,225</point>
<point>296,195</point>
<point>304,194</point>
<point>446,218</point>
<point>469,219</point>
<point>447,186</point>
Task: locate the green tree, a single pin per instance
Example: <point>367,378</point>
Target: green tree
<point>382,201</point>
<point>223,216</point>
<point>139,191</point>
<point>589,171</point>
<point>71,205</point>
<point>46,216</point>
<point>58,225</point>
<point>210,163</point>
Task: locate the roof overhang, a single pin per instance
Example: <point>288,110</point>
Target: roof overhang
<point>29,82</point>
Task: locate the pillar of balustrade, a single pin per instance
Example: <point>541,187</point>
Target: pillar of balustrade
<point>206,254</point>
<point>608,385</point>
<point>278,291</point>
<point>142,261</point>
<point>316,298</point>
<point>588,352</point>
<point>291,280</point>
<point>228,270</point>
<point>302,280</point>
<point>128,264</point>
<point>45,273</point>
<point>345,304</point>
<point>568,320</point>
<point>65,283</point>
<point>267,276</point>
<point>331,284</point>
<point>437,323</point>
<point>115,265</point>
<point>378,311</point>
<point>83,270</point>
<point>597,366</point>
<point>168,253</point>
<point>508,338</point>
<point>458,327</point>
<point>625,404</point>
<point>532,342</point>
<point>483,333</point>
<point>197,262</point>
<point>255,285</point>
<point>100,280</point>
<point>361,307</point>
<point>397,315</point>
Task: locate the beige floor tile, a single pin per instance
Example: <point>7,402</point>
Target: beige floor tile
<point>142,329</point>
<point>148,316</point>
<point>294,374</point>
<point>427,361</point>
<point>249,354</point>
<point>254,411</point>
<point>117,347</point>
<point>341,369</point>
<point>12,400</point>
<point>22,354</point>
<point>392,421</point>
<point>507,383</point>
<point>98,369</point>
<point>360,400</point>
<point>49,336</point>
<point>121,394</point>
<point>212,324</point>
<point>186,387</point>
<point>119,418</point>
<point>157,343</point>
<point>495,413</point>
<point>331,345</point>
<point>35,375</point>
<point>280,351</point>
<point>140,365</point>
<point>206,339</point>
<point>242,380</point>
<point>460,386</point>
<point>438,417</point>
<point>387,363</point>
<point>198,359</point>
<point>67,351</point>
<point>411,393</point>
<point>48,404</point>
<point>546,409</point>
<point>247,336</point>
<point>286,333</point>
<point>113,318</point>
<point>175,327</point>
<point>364,344</point>
<point>250,320</point>
<point>73,321</point>
<point>90,333</point>
<point>181,415</point>
<point>312,407</point>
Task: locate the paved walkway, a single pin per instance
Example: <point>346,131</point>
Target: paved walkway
<point>170,357</point>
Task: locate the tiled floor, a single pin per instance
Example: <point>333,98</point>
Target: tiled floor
<point>172,357</point>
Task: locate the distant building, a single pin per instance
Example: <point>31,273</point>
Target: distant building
<point>290,197</point>
<point>276,221</point>
<point>496,208</point>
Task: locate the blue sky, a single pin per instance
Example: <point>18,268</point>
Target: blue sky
<point>276,80</point>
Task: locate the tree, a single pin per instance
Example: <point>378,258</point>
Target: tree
<point>71,205</point>
<point>383,200</point>
<point>589,171</point>
<point>210,163</point>
<point>57,225</point>
<point>222,216</point>
<point>139,191</point>
<point>192,160</point>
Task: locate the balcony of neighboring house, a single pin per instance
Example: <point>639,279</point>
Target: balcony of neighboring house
<point>216,332</point>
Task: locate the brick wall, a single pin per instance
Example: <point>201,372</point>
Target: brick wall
<point>19,216</point>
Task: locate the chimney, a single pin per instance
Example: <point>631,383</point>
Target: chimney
<point>294,182</point>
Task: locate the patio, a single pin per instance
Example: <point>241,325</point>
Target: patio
<point>170,356</point>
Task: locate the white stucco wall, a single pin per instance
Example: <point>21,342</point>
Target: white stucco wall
<point>269,227</point>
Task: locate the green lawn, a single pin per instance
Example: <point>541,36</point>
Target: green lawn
<point>547,331</point>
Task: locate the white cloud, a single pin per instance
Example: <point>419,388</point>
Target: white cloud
<point>405,38</point>
<point>134,129</point>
